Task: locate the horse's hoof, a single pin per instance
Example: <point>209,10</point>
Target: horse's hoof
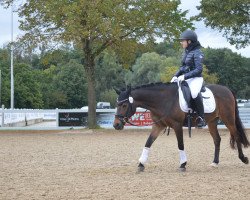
<point>140,168</point>
<point>215,165</point>
<point>246,161</point>
<point>182,169</point>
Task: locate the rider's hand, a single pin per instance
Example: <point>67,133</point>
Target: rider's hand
<point>174,79</point>
<point>181,78</point>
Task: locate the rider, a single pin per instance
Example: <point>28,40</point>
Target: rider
<point>191,71</point>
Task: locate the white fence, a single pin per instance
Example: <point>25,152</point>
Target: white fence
<point>24,117</point>
<point>105,117</point>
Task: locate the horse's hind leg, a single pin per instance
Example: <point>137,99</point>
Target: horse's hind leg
<point>212,125</point>
<point>241,155</point>
<point>235,138</point>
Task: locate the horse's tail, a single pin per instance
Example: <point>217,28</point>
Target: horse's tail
<point>241,133</point>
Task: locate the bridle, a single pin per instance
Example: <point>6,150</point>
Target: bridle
<point>124,119</point>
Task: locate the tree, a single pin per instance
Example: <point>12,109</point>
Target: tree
<point>230,17</point>
<point>58,57</point>
<point>228,66</point>
<point>245,92</point>
<point>5,77</point>
<point>71,82</point>
<point>51,97</point>
<point>210,78</point>
<point>109,73</point>
<point>94,25</point>
<point>109,96</point>
<point>171,68</point>
<point>27,90</point>
<point>167,49</point>
<point>146,70</point>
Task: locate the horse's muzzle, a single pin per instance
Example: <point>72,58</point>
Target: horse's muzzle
<point>119,122</point>
<point>118,126</point>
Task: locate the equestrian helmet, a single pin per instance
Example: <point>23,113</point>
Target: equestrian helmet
<point>188,35</point>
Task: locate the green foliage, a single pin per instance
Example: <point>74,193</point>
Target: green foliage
<point>109,96</point>
<point>71,82</point>
<point>171,66</point>
<point>146,69</point>
<point>58,56</point>
<point>167,49</point>
<point>229,67</point>
<point>109,73</point>
<point>5,77</point>
<point>168,73</point>
<point>64,85</point>
<point>209,78</point>
<point>230,17</point>
<point>49,94</point>
<point>27,90</point>
<point>102,23</point>
<point>93,26</point>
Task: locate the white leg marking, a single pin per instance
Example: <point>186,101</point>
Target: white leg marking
<point>183,157</point>
<point>215,165</point>
<point>144,155</point>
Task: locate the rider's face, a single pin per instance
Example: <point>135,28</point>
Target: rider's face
<point>184,43</point>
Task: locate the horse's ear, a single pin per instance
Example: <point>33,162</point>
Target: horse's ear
<point>117,91</point>
<point>129,89</point>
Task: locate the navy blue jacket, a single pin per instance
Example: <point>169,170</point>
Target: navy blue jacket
<point>192,61</point>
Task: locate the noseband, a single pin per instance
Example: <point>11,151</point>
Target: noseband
<point>124,119</point>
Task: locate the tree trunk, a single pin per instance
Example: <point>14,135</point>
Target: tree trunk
<point>90,72</point>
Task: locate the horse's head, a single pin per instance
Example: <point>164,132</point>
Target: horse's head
<point>125,108</point>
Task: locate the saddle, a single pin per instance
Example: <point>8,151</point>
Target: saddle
<point>186,101</point>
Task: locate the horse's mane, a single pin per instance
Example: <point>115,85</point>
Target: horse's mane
<point>151,85</point>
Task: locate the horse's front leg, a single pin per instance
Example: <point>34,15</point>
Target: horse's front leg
<point>145,152</point>
<point>183,157</point>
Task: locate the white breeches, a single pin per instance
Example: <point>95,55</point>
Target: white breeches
<point>195,85</point>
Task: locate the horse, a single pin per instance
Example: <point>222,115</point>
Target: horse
<point>162,100</point>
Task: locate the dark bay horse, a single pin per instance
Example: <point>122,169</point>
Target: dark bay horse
<point>163,102</point>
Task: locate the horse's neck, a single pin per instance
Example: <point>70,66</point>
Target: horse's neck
<point>153,99</point>
<point>141,98</point>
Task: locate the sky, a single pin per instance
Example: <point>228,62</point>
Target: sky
<point>207,36</point>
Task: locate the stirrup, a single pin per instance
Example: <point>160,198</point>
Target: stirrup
<point>200,122</point>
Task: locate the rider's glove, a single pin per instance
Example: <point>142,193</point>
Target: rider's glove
<point>174,79</point>
<point>181,78</point>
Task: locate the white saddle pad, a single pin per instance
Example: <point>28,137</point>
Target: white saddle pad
<point>208,101</point>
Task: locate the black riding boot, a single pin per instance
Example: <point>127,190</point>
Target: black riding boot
<point>200,111</point>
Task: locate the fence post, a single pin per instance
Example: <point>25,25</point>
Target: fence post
<point>57,117</point>
<point>2,116</point>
